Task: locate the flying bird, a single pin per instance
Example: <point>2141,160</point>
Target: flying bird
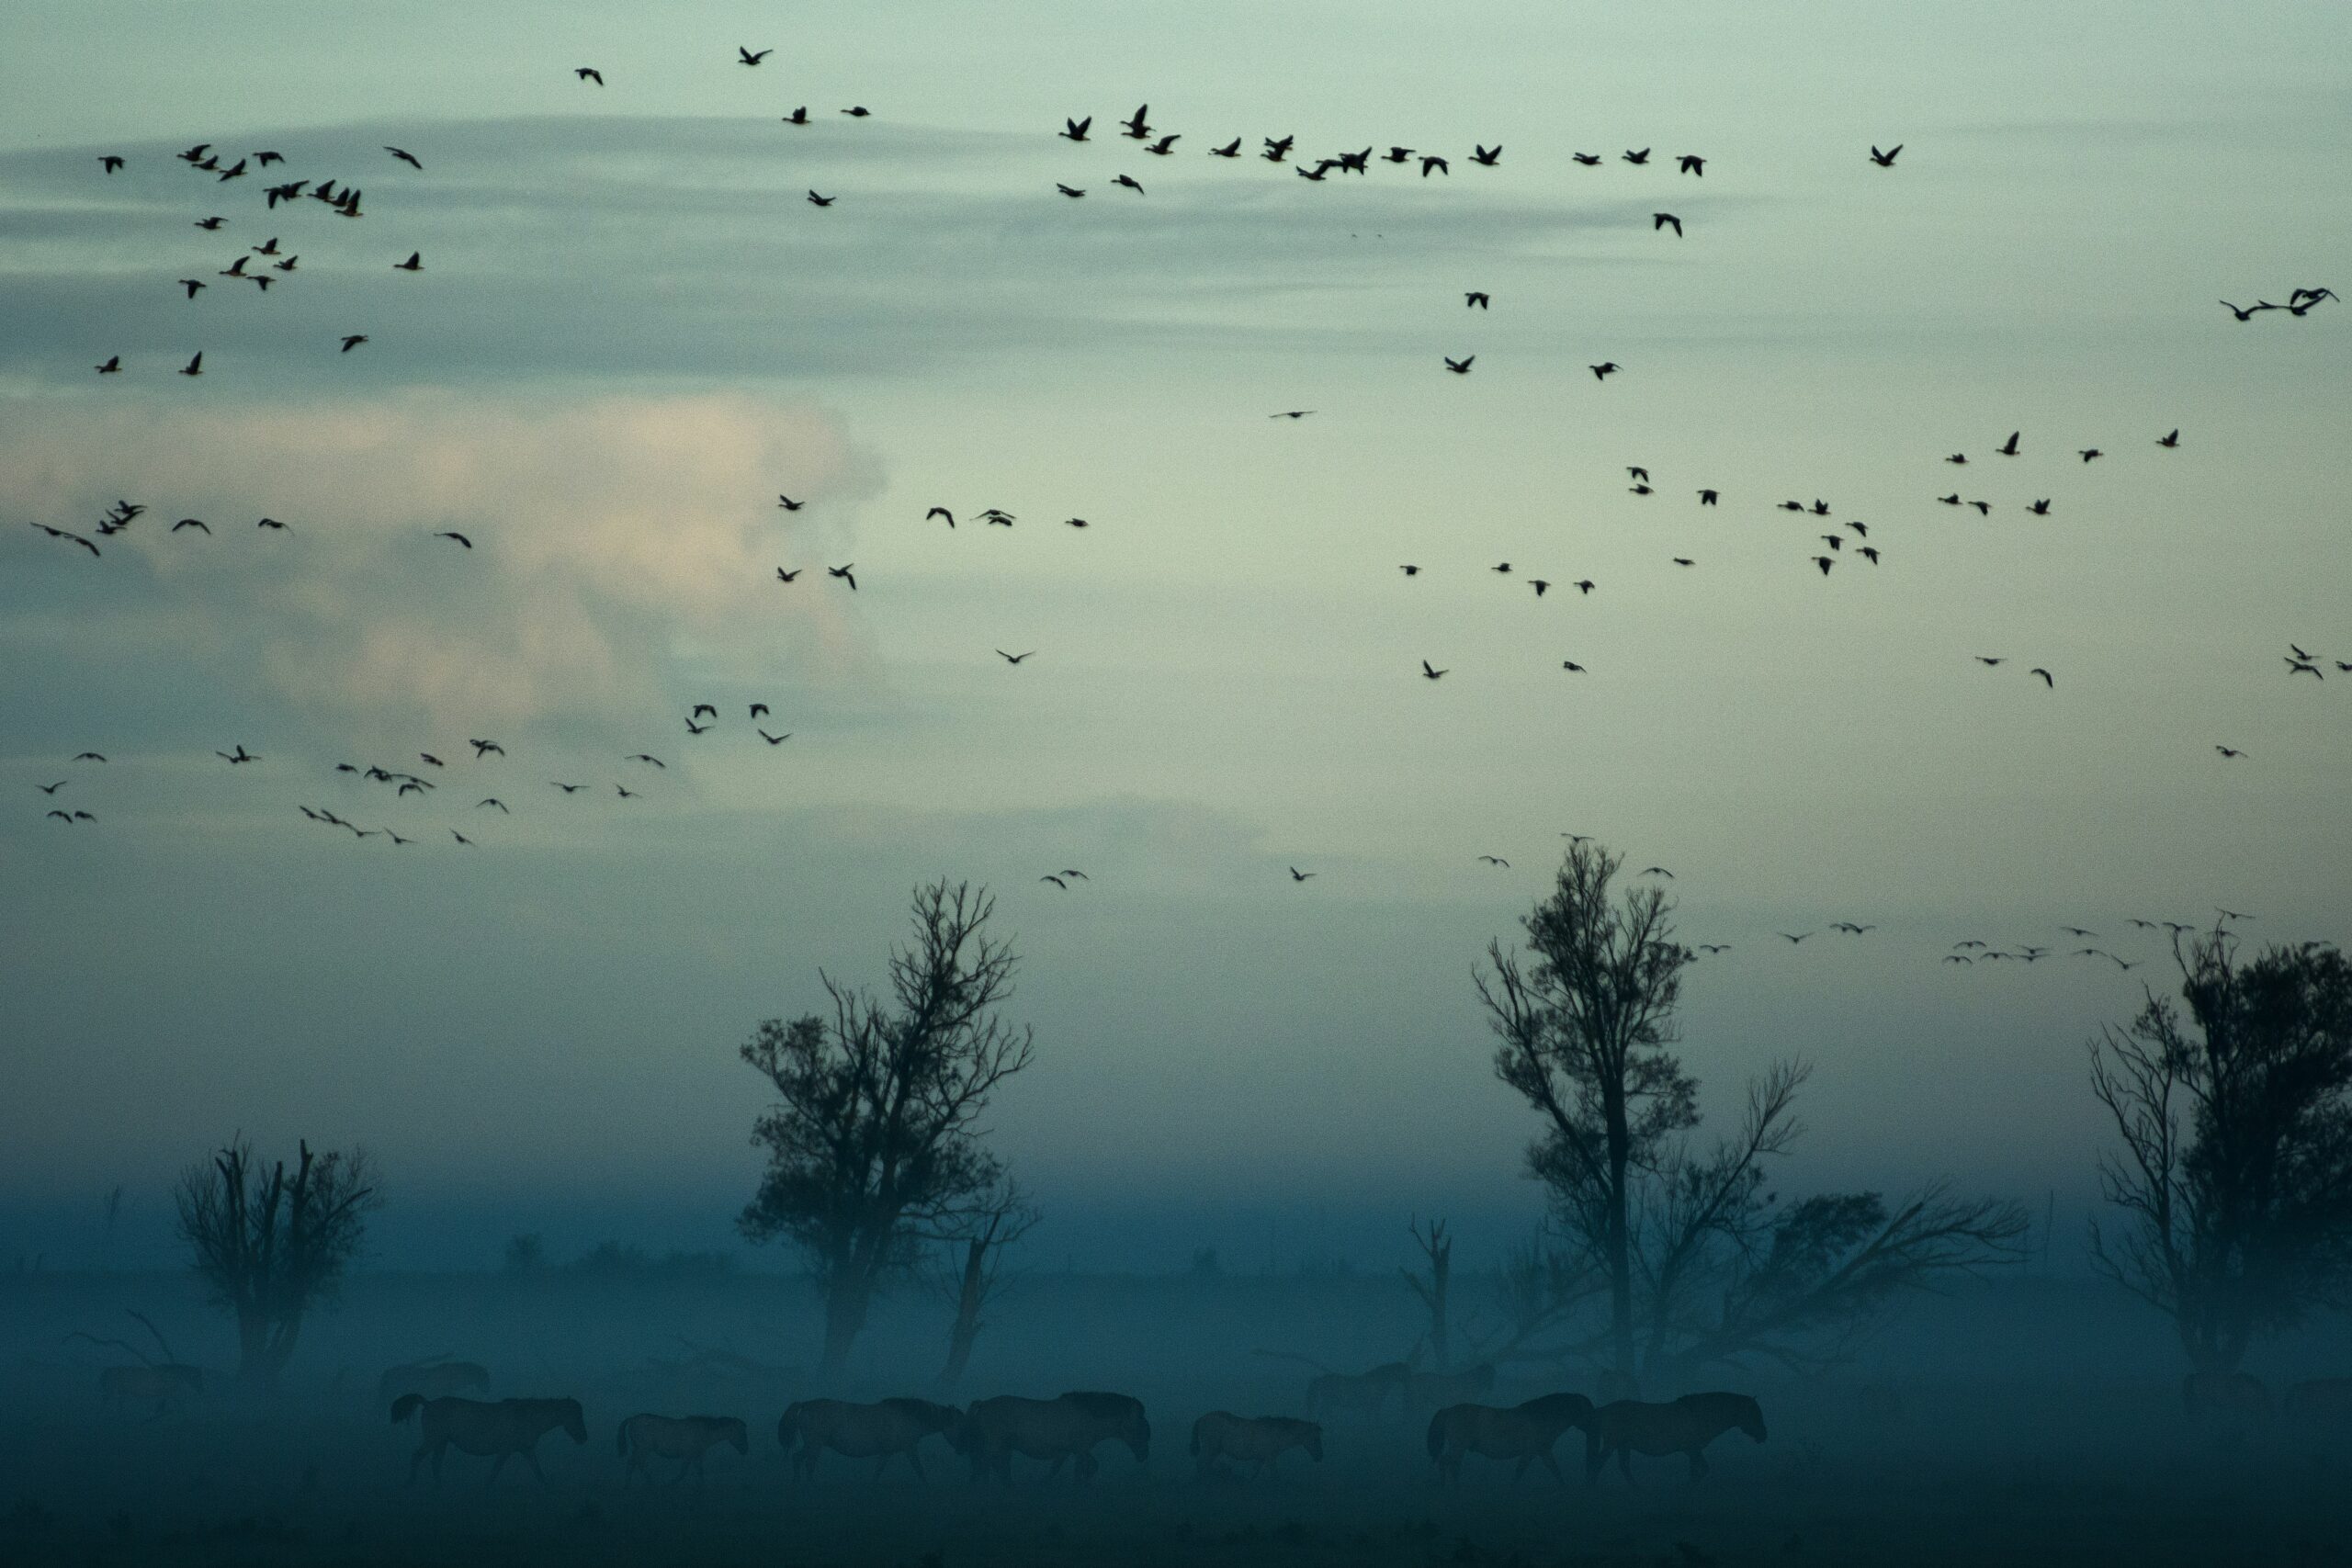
<point>642,757</point>
<point>1127,181</point>
<point>196,523</point>
<point>940,512</point>
<point>2045,677</point>
<point>816,200</point>
<point>1056,881</point>
<point>452,533</point>
<point>1428,674</point>
<point>1230,150</point>
<point>784,576</point>
<point>1602,371</point>
<point>844,573</point>
<point>1298,875</point>
<point>798,117</point>
<point>196,366</point>
<point>745,57</point>
<point>775,739</point>
<point>2172,440</point>
<point>240,755</point>
<point>1495,860</point>
<point>1885,160</point>
<point>353,341</point>
<point>1640,157</point>
<point>1459,366</point>
<point>2229,752</point>
<point>1475,299</point>
<point>1015,658</point>
<point>415,263</point>
<point>1440,165</point>
<point>589,73</point>
<point>1660,219</point>
<point>788,505</point>
<point>408,158</point>
<point>1075,129</point>
<point>1487,157</point>
<point>484,747</point>
<point>192,285</point>
<point>112,367</point>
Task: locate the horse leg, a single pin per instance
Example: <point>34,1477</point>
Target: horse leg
<point>496,1466</point>
<point>1625,1463</point>
<point>914,1462</point>
<point>1552,1464</point>
<point>1086,1466</point>
<point>531,1457</point>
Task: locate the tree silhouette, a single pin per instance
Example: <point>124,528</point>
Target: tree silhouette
<point>1700,1258</point>
<point>974,1274</point>
<point>2235,1171</point>
<point>272,1245</point>
<point>872,1143</point>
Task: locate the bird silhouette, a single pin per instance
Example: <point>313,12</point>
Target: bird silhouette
<point>2229,752</point>
<point>2009,448</point>
<point>844,573</point>
<point>1885,160</point>
<point>1127,181</point>
<point>1572,667</point>
<point>798,117</point>
<point>1015,658</point>
<point>1298,875</point>
<point>1075,129</point>
<point>1439,164</point>
<point>240,755</point>
<point>1656,871</point>
<point>2087,453</point>
<point>1707,498</point>
<point>788,505</point>
<point>1640,157</point>
<point>2046,679</point>
<point>51,788</point>
<point>415,263</point>
<point>816,200</point>
<point>2247,312</point>
<point>1164,147</point>
<point>194,523</point>
<point>1230,150</point>
<point>1589,160</point>
<point>1135,127</point>
<point>1070,191</point>
<point>1602,371</point>
<point>2040,508</point>
<point>452,533</point>
<point>405,157</point>
<point>940,512</point>
<point>1056,881</point>
<point>1792,941</point>
<point>354,341</point>
<point>784,576</point>
<point>1475,299</point>
<point>1459,366</point>
<point>2171,440</point>
<point>195,366</point>
<point>1660,219</point>
<point>775,739</point>
<point>745,57</point>
<point>1825,563</point>
<point>1411,570</point>
<point>1428,674</point>
<point>589,73</point>
<point>1487,157</point>
<point>857,112</point>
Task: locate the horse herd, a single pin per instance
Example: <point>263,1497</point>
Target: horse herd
<point>1069,1428</point>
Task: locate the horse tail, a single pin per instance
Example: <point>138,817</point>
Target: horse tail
<point>1437,1435</point>
<point>405,1406</point>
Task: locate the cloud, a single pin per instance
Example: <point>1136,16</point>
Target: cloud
<point>603,533</point>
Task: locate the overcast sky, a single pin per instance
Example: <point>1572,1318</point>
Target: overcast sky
<point>631,331</point>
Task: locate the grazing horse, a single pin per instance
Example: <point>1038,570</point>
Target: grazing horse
<point>862,1431</point>
<point>166,1384</point>
<point>1262,1439</point>
<point>2230,1400</point>
<point>508,1427</point>
<point>1426,1391</point>
<point>436,1379</point>
<point>1525,1432</point>
<point>1358,1396</point>
<point>1628,1426</point>
<point>682,1438</point>
<point>2319,1399</point>
<point>1059,1430</point>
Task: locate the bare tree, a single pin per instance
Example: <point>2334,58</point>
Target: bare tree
<point>273,1245</point>
<point>1700,1258</point>
<point>974,1274</point>
<point>1436,1290</point>
<point>2235,1171</point>
<point>873,1141</point>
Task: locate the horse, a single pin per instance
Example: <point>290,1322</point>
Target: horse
<point>166,1384</point>
<point>2229,1398</point>
<point>1060,1430</point>
<point>1355,1395</point>
<point>2320,1399</point>
<point>682,1438</point>
<point>1628,1426</point>
<point>437,1379</point>
<point>1260,1439</point>
<point>1525,1432</point>
<point>879,1431</point>
<point>1426,1391</point>
<point>507,1427</point>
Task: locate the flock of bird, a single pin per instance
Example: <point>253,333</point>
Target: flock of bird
<point>270,263</point>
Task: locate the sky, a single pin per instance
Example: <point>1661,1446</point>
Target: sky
<point>631,332</point>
